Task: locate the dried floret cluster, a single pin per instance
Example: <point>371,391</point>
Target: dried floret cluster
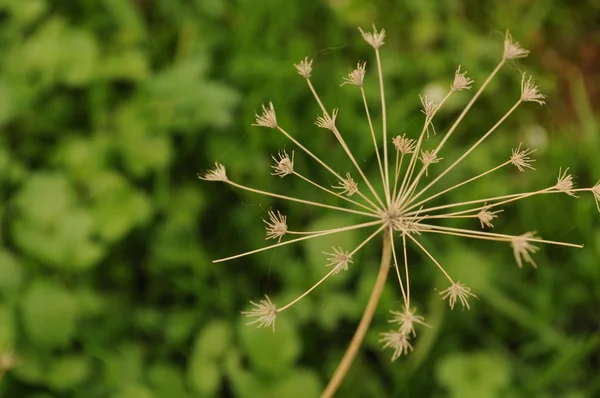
<point>401,211</point>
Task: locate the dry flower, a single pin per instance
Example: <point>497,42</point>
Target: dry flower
<point>521,160</point>
<point>357,76</point>
<point>513,50</point>
<point>347,186</point>
<point>304,67</point>
<point>327,121</point>
<point>265,313</point>
<point>267,118</point>
<point>399,208</point>
<point>530,92</point>
<point>461,81</point>
<point>397,341</point>
<point>522,248</point>
<point>283,166</point>
<point>218,173</point>
<point>339,259</point>
<point>457,291</point>
<point>276,226</point>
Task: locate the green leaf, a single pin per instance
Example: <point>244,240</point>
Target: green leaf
<point>166,381</point>
<point>124,365</point>
<point>68,372</point>
<point>269,352</point>
<point>45,198</point>
<point>80,55</point>
<point>118,207</point>
<point>204,375</point>
<point>11,275</point>
<point>7,327</point>
<point>179,326</point>
<point>214,340</point>
<point>49,314</point>
<point>480,374</point>
<point>135,391</point>
<point>299,384</point>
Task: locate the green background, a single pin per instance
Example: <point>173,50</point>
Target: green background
<point>108,108</point>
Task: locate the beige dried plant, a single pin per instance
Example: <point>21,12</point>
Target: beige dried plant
<point>402,211</point>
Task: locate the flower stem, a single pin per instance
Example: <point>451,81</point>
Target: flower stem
<point>365,321</point>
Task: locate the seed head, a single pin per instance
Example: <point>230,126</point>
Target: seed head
<point>406,319</point>
<point>398,341</point>
<point>429,157</point>
<point>429,107</point>
<point>284,165</point>
<point>461,81</point>
<point>486,216</point>
<point>522,248</point>
<point>375,39</point>
<point>404,145</point>
<point>339,259</point>
<point>457,291</point>
<point>565,183</point>
<point>265,313</point>
<point>357,76</point>
<point>347,186</point>
<point>217,173</point>
<point>267,118</point>
<point>530,92</point>
<point>520,158</point>
<point>304,67</point>
<point>276,226</point>
<point>513,50</point>
<point>327,121</point>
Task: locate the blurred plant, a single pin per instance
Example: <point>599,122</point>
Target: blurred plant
<point>397,208</point>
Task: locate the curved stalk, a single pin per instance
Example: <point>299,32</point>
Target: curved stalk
<point>365,321</point>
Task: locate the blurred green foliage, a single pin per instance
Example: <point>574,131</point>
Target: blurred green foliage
<point>109,108</point>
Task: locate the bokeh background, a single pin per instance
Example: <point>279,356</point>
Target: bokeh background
<point>108,108</point>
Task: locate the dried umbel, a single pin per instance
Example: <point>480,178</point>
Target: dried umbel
<point>402,211</point>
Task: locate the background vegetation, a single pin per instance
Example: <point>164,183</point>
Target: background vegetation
<point>109,108</point>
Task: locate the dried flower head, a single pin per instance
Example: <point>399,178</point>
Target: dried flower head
<point>520,158</point>
<point>267,118</point>
<point>429,107</point>
<point>461,81</point>
<point>407,320</point>
<point>339,260</point>
<point>564,183</point>
<point>429,157</point>
<point>284,166</point>
<point>486,216</point>
<point>357,76</point>
<point>403,144</point>
<point>513,50</point>
<point>457,291</point>
<point>397,341</point>
<point>265,313</point>
<point>347,186</point>
<point>217,173</point>
<point>276,226</point>
<point>375,39</point>
<point>327,121</point>
<point>530,92</point>
<point>400,206</point>
<point>522,248</point>
<point>304,67</point>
